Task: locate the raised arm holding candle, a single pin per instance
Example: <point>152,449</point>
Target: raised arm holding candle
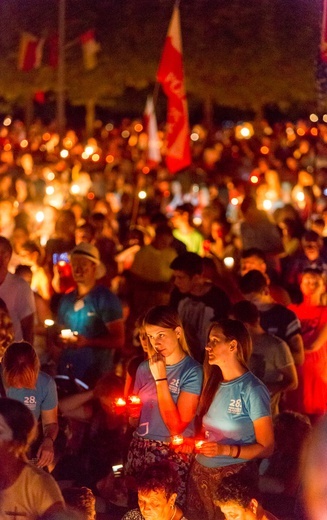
<point>169,386</point>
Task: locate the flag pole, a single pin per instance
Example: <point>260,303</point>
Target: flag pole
<point>61,80</point>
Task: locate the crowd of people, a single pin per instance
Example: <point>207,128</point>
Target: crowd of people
<point>163,339</point>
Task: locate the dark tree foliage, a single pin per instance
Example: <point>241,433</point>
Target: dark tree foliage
<point>236,53</point>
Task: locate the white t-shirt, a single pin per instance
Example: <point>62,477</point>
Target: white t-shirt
<point>19,298</point>
<point>30,496</point>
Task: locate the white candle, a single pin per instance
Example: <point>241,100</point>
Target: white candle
<point>66,333</point>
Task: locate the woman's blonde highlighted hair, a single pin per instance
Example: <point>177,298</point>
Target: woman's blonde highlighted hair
<point>21,365</point>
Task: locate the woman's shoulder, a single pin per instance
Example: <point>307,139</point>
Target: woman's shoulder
<point>45,379</point>
<point>190,362</point>
<point>189,366</point>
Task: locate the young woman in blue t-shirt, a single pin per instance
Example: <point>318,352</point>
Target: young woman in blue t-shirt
<point>236,418</point>
<point>169,386</point>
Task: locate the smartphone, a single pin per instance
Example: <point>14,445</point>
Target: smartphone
<point>60,257</point>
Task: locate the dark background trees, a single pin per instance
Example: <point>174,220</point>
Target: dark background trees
<point>237,54</point>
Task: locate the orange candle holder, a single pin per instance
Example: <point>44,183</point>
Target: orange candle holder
<point>177,440</point>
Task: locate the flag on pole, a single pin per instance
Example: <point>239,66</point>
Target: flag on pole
<point>30,52</point>
<point>90,49</point>
<point>171,76</point>
<point>321,70</point>
<point>150,125</point>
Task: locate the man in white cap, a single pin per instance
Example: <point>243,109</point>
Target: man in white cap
<point>94,313</point>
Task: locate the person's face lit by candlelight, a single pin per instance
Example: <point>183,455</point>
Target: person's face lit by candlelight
<point>219,348</point>
<point>83,269</point>
<point>164,341</point>
<point>234,511</point>
<point>155,505</point>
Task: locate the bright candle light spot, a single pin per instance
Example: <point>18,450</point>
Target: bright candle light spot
<point>234,201</point>
<point>313,118</point>
<point>85,155</point>
<point>254,179</point>
<point>49,190</point>
<point>50,176</point>
<point>245,132</point>
<point>89,150</point>
<point>229,262</point>
<point>75,189</point>
<point>264,150</point>
<point>197,221</point>
<point>195,136</point>
<point>7,121</point>
<point>64,154</point>
<point>142,194</point>
<point>39,217</point>
<point>300,196</point>
<point>95,157</point>
<point>138,127</point>
<point>267,204</point>
<point>24,143</point>
<point>125,134</point>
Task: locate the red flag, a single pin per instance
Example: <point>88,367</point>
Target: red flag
<point>150,124</point>
<point>171,76</point>
<point>30,52</point>
<point>90,49</point>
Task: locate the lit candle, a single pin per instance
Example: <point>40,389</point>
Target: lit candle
<point>134,406</point>
<point>120,401</point>
<point>48,323</point>
<point>177,440</point>
<point>229,262</point>
<point>66,333</point>
<point>134,399</point>
<point>120,405</point>
<point>198,444</point>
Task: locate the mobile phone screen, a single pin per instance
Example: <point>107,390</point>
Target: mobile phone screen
<point>60,257</point>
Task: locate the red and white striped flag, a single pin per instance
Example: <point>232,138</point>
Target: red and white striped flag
<point>171,76</point>
<point>30,52</point>
<point>150,124</point>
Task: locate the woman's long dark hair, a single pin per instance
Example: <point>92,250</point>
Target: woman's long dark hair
<point>232,330</point>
